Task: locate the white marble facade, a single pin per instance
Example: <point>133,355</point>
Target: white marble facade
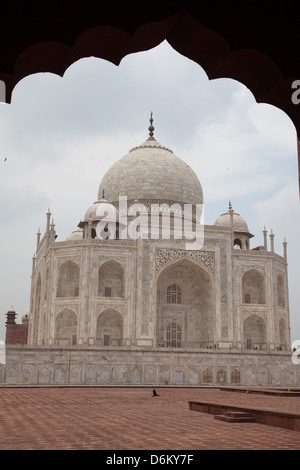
<point>148,299</point>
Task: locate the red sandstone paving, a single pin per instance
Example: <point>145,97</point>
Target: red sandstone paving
<point>131,419</point>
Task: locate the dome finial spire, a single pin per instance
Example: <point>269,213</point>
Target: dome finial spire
<point>151,128</point>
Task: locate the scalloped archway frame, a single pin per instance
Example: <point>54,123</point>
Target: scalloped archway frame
<point>238,43</point>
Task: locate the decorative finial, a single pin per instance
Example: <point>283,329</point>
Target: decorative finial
<point>151,128</point>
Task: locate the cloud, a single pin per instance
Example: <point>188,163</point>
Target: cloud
<point>233,156</point>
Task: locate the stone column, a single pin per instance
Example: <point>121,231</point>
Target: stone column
<point>265,238</point>
<point>285,249</point>
<point>272,240</point>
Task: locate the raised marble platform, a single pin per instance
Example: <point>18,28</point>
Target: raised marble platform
<point>43,365</point>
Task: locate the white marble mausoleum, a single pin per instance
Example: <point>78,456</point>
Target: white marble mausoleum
<point>130,298</point>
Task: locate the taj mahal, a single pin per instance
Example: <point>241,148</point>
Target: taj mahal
<point>130,297</point>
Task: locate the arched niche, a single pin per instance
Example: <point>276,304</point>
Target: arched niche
<point>109,328</point>
<point>255,332</point>
<point>207,376</point>
<point>280,291</point>
<point>68,280</point>
<point>66,328</point>
<point>253,287</point>
<point>237,244</point>
<point>111,279</point>
<point>192,312</point>
<point>235,376</point>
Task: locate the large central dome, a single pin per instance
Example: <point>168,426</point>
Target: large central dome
<point>151,172</point>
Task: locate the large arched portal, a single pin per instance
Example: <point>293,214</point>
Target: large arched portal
<point>185,306</point>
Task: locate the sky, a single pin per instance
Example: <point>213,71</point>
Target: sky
<point>60,135</point>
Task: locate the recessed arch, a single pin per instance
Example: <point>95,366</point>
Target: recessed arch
<point>280,291</point>
<point>193,318</point>
<point>235,376</point>
<point>111,279</point>
<point>221,376</point>
<point>253,287</point>
<point>188,259</point>
<point>255,332</point>
<point>66,328</point>
<point>207,376</point>
<point>68,280</point>
<point>237,244</point>
<point>109,328</point>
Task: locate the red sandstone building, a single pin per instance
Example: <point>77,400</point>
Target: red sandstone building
<point>16,333</point>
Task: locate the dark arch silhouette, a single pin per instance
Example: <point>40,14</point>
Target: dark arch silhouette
<point>256,44</point>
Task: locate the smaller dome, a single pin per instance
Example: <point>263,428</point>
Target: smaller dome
<point>76,235</point>
<point>101,209</point>
<point>239,224</point>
